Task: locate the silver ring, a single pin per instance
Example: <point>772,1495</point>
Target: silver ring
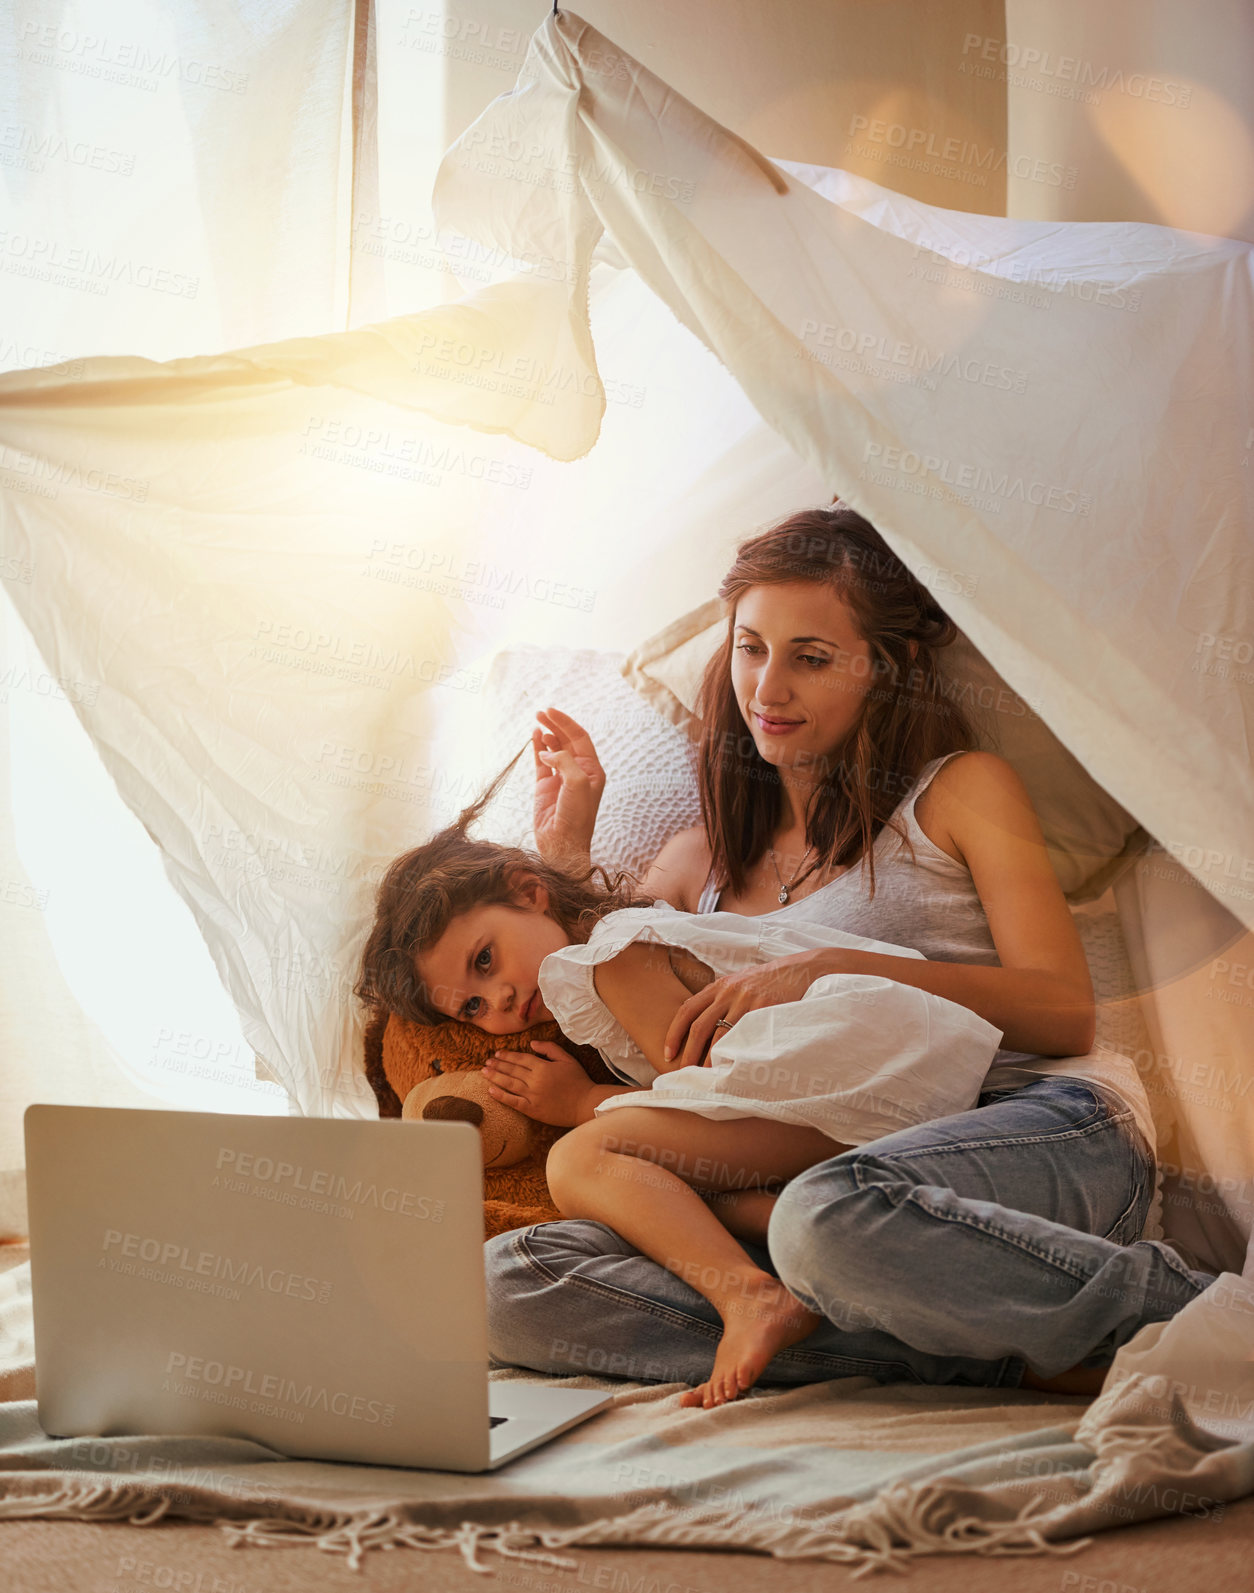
<point>722,1022</point>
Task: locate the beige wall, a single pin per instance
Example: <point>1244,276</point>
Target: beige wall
<point>1113,110</point>
<point>874,86</point>
<point>1147,105</point>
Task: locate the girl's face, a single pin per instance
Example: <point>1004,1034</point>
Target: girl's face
<point>484,969</point>
<point>797,657</point>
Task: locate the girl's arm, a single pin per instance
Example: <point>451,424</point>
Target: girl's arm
<point>596,1093</point>
<point>569,784</point>
<point>644,986</point>
<point>547,1084</point>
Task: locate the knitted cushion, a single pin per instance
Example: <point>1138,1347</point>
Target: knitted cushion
<point>650,766</point>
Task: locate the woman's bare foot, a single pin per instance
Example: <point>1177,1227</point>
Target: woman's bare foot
<point>760,1317</point>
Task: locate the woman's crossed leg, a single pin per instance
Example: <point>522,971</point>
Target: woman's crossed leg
<point>639,1169</point>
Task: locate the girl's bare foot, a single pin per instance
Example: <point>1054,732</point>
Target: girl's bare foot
<point>760,1317</point>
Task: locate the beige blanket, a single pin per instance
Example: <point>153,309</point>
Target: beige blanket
<point>841,1471</point>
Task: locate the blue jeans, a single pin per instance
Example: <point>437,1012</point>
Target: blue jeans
<point>961,1251</point>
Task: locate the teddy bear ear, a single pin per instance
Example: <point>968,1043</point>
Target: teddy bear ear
<point>453,1109</point>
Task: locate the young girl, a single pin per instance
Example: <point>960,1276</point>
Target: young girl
<point>494,936</point>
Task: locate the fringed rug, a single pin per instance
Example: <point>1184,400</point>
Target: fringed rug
<point>843,1471</point>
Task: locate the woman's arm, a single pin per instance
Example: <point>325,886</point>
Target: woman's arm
<point>1041,997</point>
<point>681,863</point>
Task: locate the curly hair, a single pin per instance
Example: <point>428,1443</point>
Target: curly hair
<point>426,888</point>
<point>907,716</point>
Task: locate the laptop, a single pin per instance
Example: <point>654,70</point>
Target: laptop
<point>313,1284</point>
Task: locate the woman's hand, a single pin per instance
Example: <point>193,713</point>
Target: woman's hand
<point>569,783</point>
<point>550,1088</point>
<point>770,983</point>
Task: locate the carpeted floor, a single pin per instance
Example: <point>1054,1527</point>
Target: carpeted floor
<point>1177,1556</point>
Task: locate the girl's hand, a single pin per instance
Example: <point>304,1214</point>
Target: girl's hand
<point>550,1087</point>
<point>693,1030</point>
<point>569,783</point>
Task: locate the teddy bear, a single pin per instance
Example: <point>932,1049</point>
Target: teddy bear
<point>434,1071</point>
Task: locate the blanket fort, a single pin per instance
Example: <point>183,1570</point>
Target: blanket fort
<point>1050,423</point>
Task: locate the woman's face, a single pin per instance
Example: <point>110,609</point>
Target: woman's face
<point>484,969</point>
<point>797,657</point>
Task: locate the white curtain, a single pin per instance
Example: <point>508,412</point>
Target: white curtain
<point>175,180</point>
<point>175,177</point>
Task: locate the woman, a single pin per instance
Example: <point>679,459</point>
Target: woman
<point>838,782</point>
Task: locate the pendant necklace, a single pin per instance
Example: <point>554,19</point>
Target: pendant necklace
<point>784,889</point>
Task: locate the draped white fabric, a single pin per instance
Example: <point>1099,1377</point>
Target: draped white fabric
<point>1080,480</point>
<point>174,180</point>
<point>250,553</point>
<point>286,595</point>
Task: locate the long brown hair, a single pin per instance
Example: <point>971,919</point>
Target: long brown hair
<point>906,720</point>
<point>426,888</point>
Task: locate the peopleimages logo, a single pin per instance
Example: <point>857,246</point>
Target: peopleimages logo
<point>228,1379</point>
<point>890,465</point>
<point>1036,66</point>
<point>237,1169</point>
<point>168,1261</point>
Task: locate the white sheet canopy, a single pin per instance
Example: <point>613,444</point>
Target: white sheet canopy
<point>1051,423</point>
<point>1053,417</point>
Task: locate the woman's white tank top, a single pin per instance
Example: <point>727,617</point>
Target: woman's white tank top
<point>932,904</point>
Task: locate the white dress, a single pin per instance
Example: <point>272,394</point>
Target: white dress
<point>857,1057</point>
